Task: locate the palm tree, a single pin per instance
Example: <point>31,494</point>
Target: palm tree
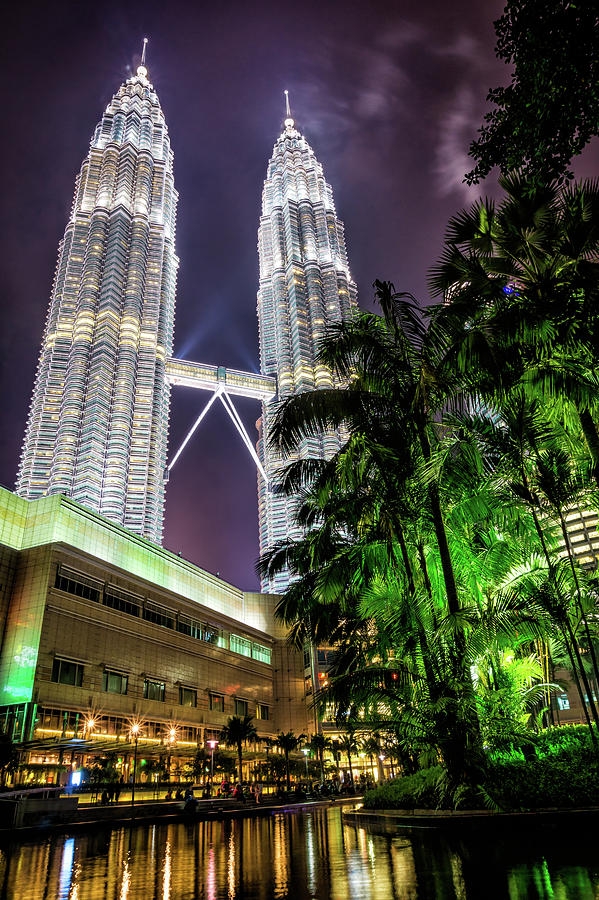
<point>522,281</point>
<point>371,746</point>
<point>288,742</point>
<point>318,744</point>
<point>349,745</point>
<point>235,733</point>
<point>389,409</point>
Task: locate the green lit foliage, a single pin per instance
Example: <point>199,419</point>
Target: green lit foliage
<point>436,557</point>
<point>550,109</point>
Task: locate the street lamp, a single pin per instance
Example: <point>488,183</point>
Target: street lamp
<point>134,733</point>
<point>90,724</point>
<point>212,745</point>
<point>172,736</point>
<point>305,751</point>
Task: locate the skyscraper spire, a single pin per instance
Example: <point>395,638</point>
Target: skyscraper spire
<point>289,122</point>
<point>98,423</point>
<point>142,71</point>
<point>305,285</point>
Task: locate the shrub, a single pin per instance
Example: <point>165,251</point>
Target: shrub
<point>565,774</point>
<point>418,791</point>
<point>564,779</point>
<point>563,738</point>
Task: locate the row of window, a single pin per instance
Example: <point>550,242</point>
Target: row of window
<point>65,671</point>
<point>124,601</point>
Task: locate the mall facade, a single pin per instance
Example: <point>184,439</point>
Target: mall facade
<point>103,631</point>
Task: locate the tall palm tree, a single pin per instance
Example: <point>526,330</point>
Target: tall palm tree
<point>288,742</point>
<point>318,744</point>
<point>389,409</point>
<point>237,732</point>
<point>349,745</point>
<point>371,746</point>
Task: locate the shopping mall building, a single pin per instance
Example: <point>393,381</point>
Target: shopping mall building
<point>102,630</point>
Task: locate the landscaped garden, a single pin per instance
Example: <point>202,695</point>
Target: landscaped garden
<point>449,548</point>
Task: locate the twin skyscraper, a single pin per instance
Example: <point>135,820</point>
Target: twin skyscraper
<point>98,424</point>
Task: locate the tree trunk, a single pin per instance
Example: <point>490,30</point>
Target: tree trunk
<point>573,647</point>
<point>579,688</point>
<point>440,532</point>
<point>591,436</point>
<point>581,611</point>
<point>585,681</point>
<point>472,742</point>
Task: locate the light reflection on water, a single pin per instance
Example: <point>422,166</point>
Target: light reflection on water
<point>302,855</point>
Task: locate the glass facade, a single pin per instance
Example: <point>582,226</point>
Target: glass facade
<point>305,285</point>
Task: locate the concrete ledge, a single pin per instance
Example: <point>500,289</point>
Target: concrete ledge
<point>149,812</point>
<point>393,819</point>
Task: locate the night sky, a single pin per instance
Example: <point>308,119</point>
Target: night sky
<point>388,94</point>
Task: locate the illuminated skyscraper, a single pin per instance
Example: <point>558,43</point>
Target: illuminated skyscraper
<point>98,423</point>
<point>305,285</point>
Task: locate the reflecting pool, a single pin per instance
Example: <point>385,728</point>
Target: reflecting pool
<point>300,855</point>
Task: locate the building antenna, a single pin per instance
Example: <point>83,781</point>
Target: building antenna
<point>143,52</point>
<point>287,108</point>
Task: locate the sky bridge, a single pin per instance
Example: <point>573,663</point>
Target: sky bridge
<point>223,383</point>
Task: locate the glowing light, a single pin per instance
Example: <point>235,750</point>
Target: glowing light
<point>66,867</point>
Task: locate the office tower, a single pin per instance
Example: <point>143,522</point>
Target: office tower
<point>305,285</point>
<point>98,422</point>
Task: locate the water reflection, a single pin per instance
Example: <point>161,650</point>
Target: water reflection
<point>306,856</point>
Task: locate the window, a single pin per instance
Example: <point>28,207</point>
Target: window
<point>213,635</point>
<point>115,682</point>
<point>125,602</point>
<point>241,707</point>
<point>190,627</point>
<point>188,697</point>
<point>263,712</point>
<point>159,615</point>
<point>154,690</point>
<point>217,702</point>
<point>563,702</point>
<point>241,645</point>
<point>308,684</point>
<point>261,653</point>
<point>66,672</point>
<point>77,584</point>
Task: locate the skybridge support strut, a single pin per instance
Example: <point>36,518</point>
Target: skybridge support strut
<point>226,401</point>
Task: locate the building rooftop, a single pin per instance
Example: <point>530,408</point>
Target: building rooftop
<point>57,519</point>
